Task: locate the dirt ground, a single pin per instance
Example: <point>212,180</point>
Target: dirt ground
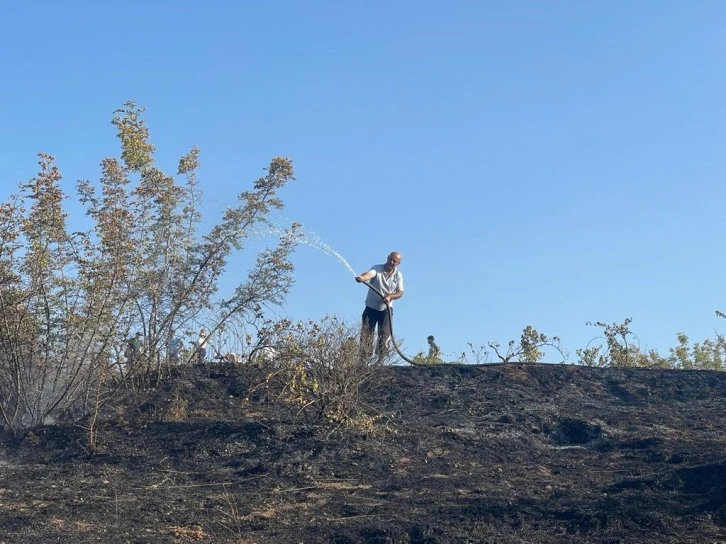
<point>495,454</point>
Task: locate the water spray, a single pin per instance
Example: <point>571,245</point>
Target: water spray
<point>312,239</point>
<point>308,238</point>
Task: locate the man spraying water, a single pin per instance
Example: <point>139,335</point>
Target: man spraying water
<point>388,280</point>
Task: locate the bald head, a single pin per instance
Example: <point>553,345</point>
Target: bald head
<point>393,260</point>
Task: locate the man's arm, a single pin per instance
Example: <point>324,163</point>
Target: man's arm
<point>398,293</point>
<point>365,276</point>
<point>393,296</point>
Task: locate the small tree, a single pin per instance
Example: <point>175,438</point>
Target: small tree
<point>527,350</point>
<point>477,354</point>
<point>619,350</point>
<point>69,299</point>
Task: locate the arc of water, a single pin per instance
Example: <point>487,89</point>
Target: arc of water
<point>304,237</point>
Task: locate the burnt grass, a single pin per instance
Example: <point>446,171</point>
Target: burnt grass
<point>515,453</point>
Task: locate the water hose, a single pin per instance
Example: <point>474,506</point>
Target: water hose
<point>390,328</point>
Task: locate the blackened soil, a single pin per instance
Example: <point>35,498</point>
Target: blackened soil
<point>475,454</point>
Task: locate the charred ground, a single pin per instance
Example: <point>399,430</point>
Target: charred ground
<point>511,453</point>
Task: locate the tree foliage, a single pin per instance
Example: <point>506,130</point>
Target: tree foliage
<point>620,348</point>
<point>68,300</point>
<point>529,349</point>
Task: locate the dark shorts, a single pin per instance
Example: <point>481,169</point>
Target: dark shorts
<point>380,318</point>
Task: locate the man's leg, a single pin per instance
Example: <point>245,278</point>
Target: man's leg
<point>384,334</point>
<point>367,328</point>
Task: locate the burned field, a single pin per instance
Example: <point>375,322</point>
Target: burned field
<point>515,453</point>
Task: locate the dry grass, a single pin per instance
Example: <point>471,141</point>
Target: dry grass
<point>516,373</point>
<point>177,410</point>
<point>203,413</point>
<point>85,526</point>
<point>342,484</point>
<point>193,532</point>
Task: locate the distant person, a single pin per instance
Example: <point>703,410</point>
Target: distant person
<point>229,357</point>
<point>434,350</point>
<point>133,348</point>
<point>175,345</point>
<point>387,279</point>
<point>201,346</point>
<point>266,353</point>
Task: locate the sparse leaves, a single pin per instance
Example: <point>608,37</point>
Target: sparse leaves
<point>528,349</point>
<point>319,373</point>
<point>618,349</point>
<point>70,301</point>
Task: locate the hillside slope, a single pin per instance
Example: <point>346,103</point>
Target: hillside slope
<point>494,454</point>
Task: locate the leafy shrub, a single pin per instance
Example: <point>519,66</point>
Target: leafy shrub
<point>68,300</point>
<point>319,373</point>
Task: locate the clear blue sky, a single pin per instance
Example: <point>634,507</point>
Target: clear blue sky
<point>544,163</point>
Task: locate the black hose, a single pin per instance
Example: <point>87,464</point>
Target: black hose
<point>390,325</point>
